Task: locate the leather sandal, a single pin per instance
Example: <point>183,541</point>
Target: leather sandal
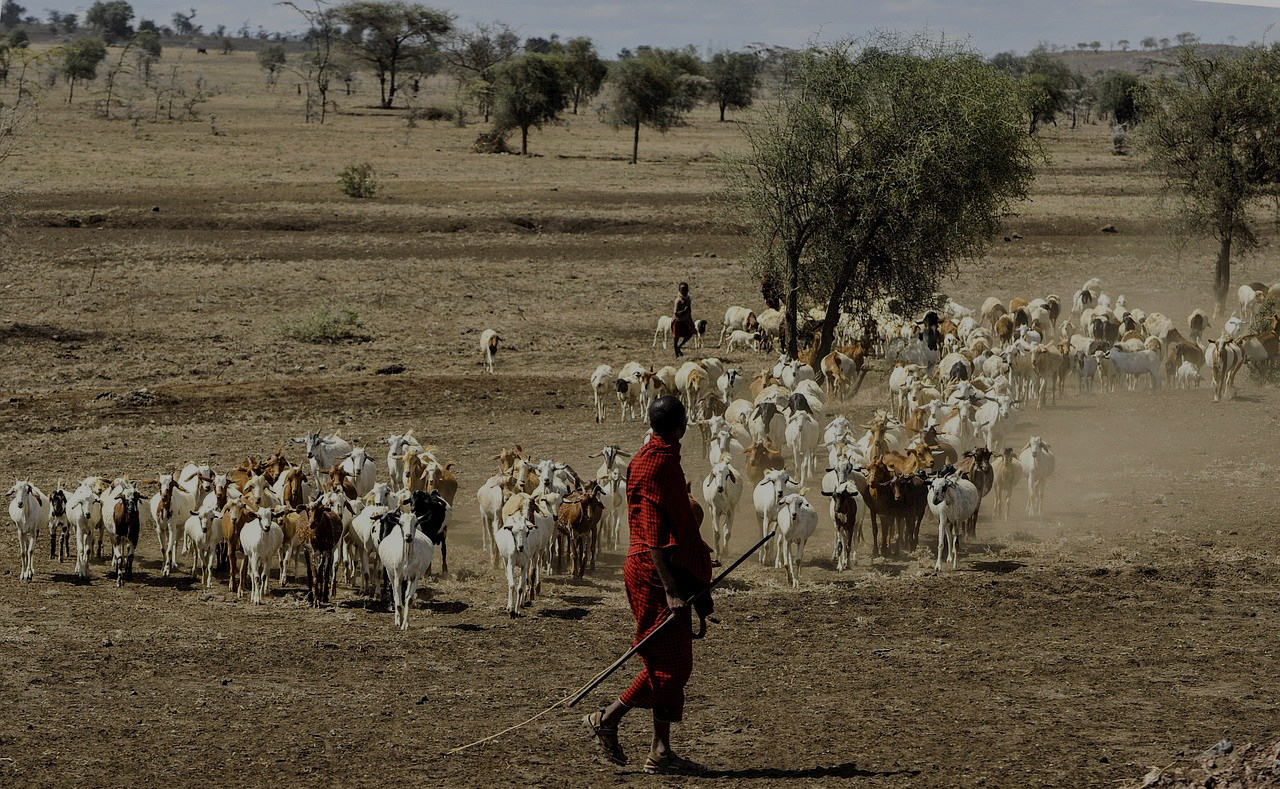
<point>671,764</point>
<point>606,736</point>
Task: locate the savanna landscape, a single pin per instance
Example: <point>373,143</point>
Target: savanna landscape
<point>152,291</point>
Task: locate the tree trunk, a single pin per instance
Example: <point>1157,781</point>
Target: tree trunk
<point>72,93</point>
<point>829,323</point>
<point>382,85</point>
<point>635,143</point>
<point>524,140</point>
<point>575,102</point>
<point>722,112</point>
<point>1222,273</point>
<point>793,301</point>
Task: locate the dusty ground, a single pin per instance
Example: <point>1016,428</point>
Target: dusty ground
<point>1132,625</point>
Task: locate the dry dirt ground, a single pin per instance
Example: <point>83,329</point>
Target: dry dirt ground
<point>1132,625</point>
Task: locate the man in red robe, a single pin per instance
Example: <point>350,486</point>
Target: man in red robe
<point>667,562</point>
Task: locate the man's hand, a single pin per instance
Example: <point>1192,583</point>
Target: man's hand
<point>675,603</point>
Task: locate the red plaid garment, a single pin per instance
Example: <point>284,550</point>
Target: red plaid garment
<point>660,517</point>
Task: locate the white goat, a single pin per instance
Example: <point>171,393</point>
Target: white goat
<point>721,489</point>
<point>84,511</point>
<point>204,534</point>
<point>489,340</point>
<point>406,553</point>
<point>602,382</point>
<point>512,539</point>
<point>1038,463</point>
<point>261,538</point>
<point>29,510</point>
<point>397,446</point>
<point>767,498</point>
<point>359,466</point>
<point>954,501</point>
<point>803,435</point>
<point>797,521</point>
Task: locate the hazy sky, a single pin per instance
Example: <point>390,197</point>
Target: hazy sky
<point>989,25</point>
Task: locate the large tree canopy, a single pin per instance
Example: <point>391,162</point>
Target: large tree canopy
<point>1213,133</point>
<point>530,90</point>
<point>388,33</point>
<point>880,166</point>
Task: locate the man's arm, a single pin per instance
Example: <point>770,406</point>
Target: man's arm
<point>668,578</point>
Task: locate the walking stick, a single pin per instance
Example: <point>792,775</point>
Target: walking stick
<point>569,701</point>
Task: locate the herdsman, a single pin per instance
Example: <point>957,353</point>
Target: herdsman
<point>666,564</point>
<point>682,325</point>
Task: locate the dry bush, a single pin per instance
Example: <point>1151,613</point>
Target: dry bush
<point>359,181</point>
<point>325,326</point>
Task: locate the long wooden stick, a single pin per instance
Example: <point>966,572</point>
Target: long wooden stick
<point>570,700</point>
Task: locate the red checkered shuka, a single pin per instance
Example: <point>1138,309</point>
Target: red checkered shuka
<point>659,516</point>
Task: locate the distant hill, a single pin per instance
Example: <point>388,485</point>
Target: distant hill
<point>1138,61</point>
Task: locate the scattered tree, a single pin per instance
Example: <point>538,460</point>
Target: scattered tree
<point>272,59</point>
<point>733,80</point>
<point>585,70</point>
<point>1124,44</point>
<point>647,92</point>
<point>1149,42</point>
<point>147,51</point>
<point>110,19</point>
<point>1095,46</point>
<point>11,14</point>
<point>1164,43</point>
<point>184,24</point>
<point>544,46</point>
<point>1082,45</point>
<point>385,33</point>
<point>1118,96</point>
<point>530,90</point>
<point>1187,39</point>
<point>80,60</point>
<point>880,166</point>
<point>1213,133</point>
<point>1045,89</point>
<point>317,68</point>
<point>475,55</point>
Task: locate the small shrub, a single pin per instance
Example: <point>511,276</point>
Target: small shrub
<point>325,326</point>
<point>1267,372</point>
<point>494,141</point>
<point>435,114</point>
<point>358,181</point>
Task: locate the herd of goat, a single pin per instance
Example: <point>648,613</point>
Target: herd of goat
<point>956,380</point>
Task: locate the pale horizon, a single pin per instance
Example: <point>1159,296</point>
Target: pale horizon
<point>991,26</point>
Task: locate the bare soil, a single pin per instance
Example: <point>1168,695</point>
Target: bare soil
<point>1133,624</point>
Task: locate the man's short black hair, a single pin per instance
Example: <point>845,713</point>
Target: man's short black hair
<point>667,415</point>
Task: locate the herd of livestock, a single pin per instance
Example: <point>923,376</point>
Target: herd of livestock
<point>956,380</point>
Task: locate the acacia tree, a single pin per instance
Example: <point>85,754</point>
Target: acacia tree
<point>80,60</point>
<point>585,70</point>
<point>110,18</point>
<point>881,165</point>
<point>1213,134</point>
<point>528,92</point>
<point>318,65</point>
<point>1118,96</point>
<point>733,80</point>
<point>653,88</point>
<point>386,33</point>
<point>475,55</point>
<point>272,59</point>
<point>11,14</point>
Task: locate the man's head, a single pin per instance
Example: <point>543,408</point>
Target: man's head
<point>667,417</point>
<point>684,287</point>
